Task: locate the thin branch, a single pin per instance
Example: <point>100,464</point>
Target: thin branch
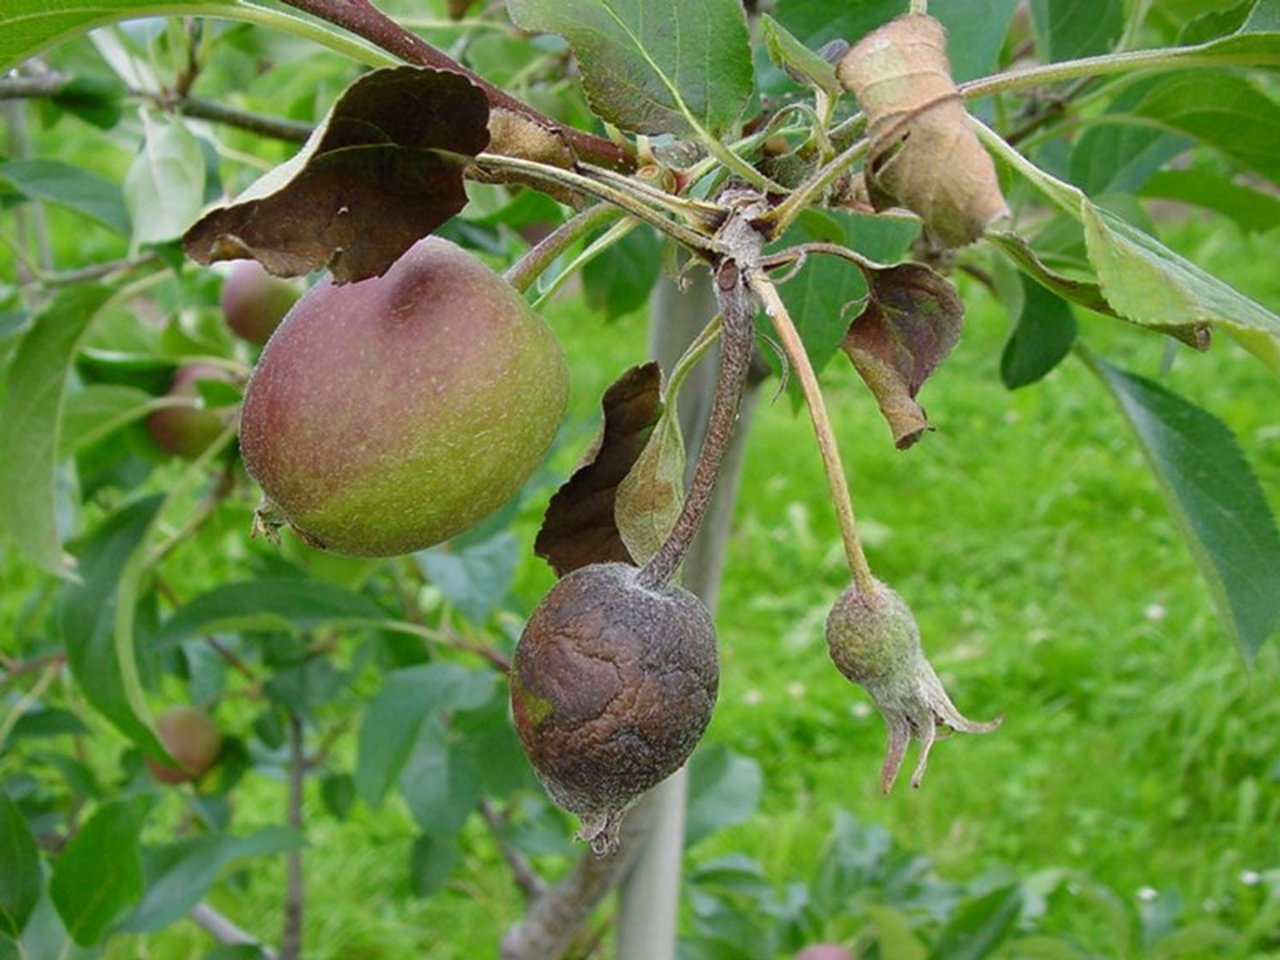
<point>365,20</point>
<point>52,84</point>
<point>295,894</point>
<point>553,921</point>
<point>527,879</point>
<point>224,931</point>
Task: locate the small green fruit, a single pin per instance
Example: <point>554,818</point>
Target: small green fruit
<point>191,739</point>
<point>388,415</point>
<point>186,431</point>
<point>874,640</point>
<point>254,302</point>
<point>612,686</point>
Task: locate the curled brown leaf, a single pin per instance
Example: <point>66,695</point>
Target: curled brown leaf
<point>910,323</point>
<point>580,526</point>
<point>384,170</point>
<point>924,154</point>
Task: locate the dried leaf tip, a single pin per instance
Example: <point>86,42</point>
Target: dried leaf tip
<point>874,640</point>
<point>924,154</point>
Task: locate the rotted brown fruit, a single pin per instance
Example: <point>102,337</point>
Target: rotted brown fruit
<point>254,302</point>
<point>612,686</point>
<point>187,430</point>
<point>192,739</point>
<point>388,415</point>
<point>874,640</point>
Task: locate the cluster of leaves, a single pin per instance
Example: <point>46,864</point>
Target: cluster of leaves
<point>138,581</point>
<point>883,901</point>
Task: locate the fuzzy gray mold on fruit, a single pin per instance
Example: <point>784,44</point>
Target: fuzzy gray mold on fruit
<point>874,640</point>
<point>612,685</point>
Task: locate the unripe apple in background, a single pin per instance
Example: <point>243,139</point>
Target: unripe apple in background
<point>388,415</point>
<point>186,431</point>
<point>254,302</point>
<point>192,740</point>
<point>824,951</point>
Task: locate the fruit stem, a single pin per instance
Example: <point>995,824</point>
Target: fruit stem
<point>836,481</point>
<point>540,256</point>
<point>737,313</point>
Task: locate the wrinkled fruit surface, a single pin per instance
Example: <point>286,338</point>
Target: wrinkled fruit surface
<point>187,431</point>
<point>254,302</point>
<point>612,686</point>
<point>874,640</point>
<point>388,415</point>
<point>191,739</point>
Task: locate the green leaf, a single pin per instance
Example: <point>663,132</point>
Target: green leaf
<point>894,936</point>
<point>1224,111</point>
<point>93,100</point>
<point>98,877</point>
<point>85,613</point>
<point>21,879</point>
<point>1216,499</point>
<point>975,28</point>
<point>431,861</point>
<point>441,781</point>
<point>1043,334</point>
<point>654,66</point>
<point>164,187</point>
<point>1149,284</point>
<point>979,925</point>
<point>1068,29</point>
<point>179,875</point>
<point>620,280</point>
<point>394,718</point>
<point>1251,210</point>
<point>476,577</point>
<point>97,411</point>
<point>338,792</point>
<point>29,424</point>
<point>28,27</point>
<point>52,182</point>
<point>724,790</point>
<point>287,603</point>
<point>786,50</point>
<point>649,498</point>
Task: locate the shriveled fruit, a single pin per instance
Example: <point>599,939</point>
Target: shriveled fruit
<point>254,302</point>
<point>192,740</point>
<point>874,640</point>
<point>388,415</point>
<point>612,685</point>
<point>187,430</point>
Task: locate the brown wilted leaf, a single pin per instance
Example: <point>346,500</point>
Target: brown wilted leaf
<point>382,171</point>
<point>579,527</point>
<point>924,155</point>
<point>909,325</point>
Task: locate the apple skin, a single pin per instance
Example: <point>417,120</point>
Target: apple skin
<point>187,431</point>
<point>254,302</point>
<point>388,415</point>
<point>192,739</point>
